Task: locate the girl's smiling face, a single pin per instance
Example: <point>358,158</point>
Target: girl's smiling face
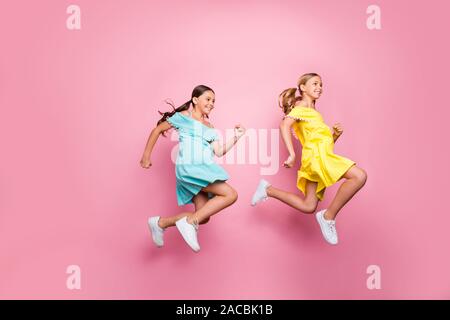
<point>312,88</point>
<point>205,103</point>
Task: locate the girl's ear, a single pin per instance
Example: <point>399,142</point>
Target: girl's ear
<point>194,100</point>
<point>302,88</point>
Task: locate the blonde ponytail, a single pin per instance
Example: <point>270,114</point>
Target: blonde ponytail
<point>287,99</point>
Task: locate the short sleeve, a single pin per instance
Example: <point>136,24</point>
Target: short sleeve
<point>175,120</point>
<point>296,114</point>
<point>212,135</point>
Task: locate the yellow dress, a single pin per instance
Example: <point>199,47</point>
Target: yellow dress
<point>318,163</point>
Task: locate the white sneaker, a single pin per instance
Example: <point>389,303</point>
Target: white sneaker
<point>156,231</point>
<point>189,233</point>
<point>328,228</point>
<point>260,193</point>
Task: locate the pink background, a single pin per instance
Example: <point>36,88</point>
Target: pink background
<point>77,108</point>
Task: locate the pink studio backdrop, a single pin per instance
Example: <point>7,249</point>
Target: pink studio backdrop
<point>77,107</point>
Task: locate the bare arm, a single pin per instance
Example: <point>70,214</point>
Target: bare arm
<point>151,141</point>
<point>285,128</point>
<point>335,137</point>
<point>337,131</point>
<point>221,150</point>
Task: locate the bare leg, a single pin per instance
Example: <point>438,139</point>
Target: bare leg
<point>165,222</point>
<point>306,205</point>
<point>225,196</point>
<point>199,201</point>
<point>356,178</point>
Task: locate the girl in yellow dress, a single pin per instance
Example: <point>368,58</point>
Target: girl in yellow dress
<point>320,166</point>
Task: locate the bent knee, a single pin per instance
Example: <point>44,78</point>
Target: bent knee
<point>232,196</point>
<point>310,207</point>
<point>361,176</point>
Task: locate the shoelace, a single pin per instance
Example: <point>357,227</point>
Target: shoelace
<point>265,196</point>
<point>332,226</point>
<point>195,224</point>
<point>157,227</point>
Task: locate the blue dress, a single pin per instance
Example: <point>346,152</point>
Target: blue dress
<point>195,167</point>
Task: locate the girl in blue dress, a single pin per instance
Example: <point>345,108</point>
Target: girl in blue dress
<point>200,180</point>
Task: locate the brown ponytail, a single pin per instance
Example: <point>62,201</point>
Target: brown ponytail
<point>197,92</point>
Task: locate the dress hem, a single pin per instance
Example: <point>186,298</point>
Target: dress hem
<point>321,186</point>
<point>189,201</point>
